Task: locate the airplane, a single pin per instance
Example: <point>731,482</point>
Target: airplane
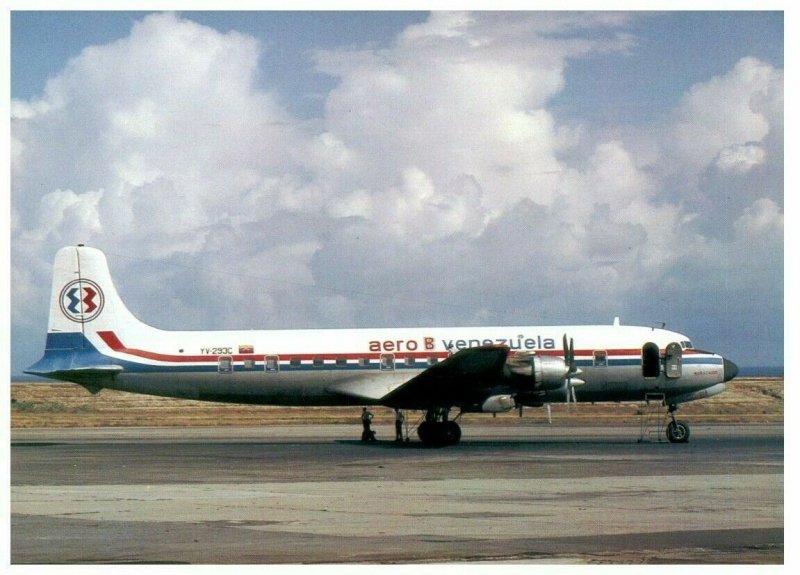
<point>95,341</point>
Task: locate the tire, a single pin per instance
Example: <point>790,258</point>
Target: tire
<point>678,431</point>
<point>439,434</point>
<point>425,432</point>
<point>452,433</point>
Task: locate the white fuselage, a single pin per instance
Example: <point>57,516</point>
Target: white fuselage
<point>324,367</point>
<point>93,339</point>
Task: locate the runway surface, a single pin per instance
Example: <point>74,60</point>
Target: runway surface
<point>313,494</point>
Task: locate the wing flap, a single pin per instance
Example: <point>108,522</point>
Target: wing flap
<point>367,390</point>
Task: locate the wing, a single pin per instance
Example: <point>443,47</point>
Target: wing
<point>463,379</point>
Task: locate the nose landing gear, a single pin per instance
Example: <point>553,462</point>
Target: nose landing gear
<point>677,431</point>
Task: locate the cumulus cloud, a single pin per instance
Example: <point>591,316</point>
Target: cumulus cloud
<point>740,158</point>
<point>437,179</point>
<point>726,113</point>
<point>165,122</point>
<point>763,218</point>
<point>459,94</point>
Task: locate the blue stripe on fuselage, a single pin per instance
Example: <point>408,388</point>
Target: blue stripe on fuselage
<point>65,351</point>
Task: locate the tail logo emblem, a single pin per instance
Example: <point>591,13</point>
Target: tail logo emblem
<point>82,300</point>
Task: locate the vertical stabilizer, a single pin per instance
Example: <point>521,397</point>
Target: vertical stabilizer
<point>83,302</point>
<point>83,297</point>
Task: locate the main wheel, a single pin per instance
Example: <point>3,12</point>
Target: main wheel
<point>439,433</point>
<point>451,433</point>
<point>678,431</point>
<point>426,432</point>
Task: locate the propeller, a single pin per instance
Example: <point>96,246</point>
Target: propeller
<point>572,370</point>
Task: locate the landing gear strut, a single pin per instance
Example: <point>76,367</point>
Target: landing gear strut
<point>677,430</point>
<point>437,431</point>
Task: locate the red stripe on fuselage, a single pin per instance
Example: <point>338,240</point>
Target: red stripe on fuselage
<point>112,341</point>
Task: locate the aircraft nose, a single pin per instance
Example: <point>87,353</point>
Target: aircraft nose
<point>730,369</point>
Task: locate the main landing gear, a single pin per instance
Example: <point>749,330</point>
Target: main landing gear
<point>437,430</point>
<point>677,430</point>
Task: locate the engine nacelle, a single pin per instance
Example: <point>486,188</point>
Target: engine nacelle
<point>546,371</point>
<point>498,404</point>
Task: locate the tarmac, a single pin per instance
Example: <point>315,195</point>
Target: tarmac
<point>314,494</point>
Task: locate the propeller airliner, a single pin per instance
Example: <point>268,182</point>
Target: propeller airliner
<point>95,341</point>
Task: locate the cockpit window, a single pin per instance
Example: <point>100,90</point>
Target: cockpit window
<point>687,345</point>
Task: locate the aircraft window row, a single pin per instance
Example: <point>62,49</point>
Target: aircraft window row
<point>272,362</point>
<point>687,345</point>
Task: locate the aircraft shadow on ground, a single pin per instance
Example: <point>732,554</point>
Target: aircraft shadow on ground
<point>483,443</point>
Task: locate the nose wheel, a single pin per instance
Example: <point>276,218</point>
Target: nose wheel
<point>677,431</point>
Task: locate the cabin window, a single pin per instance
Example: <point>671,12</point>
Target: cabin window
<point>272,363</point>
<point>295,362</point>
<point>410,360</point>
<point>387,361</point>
<point>225,364</point>
<point>249,363</point>
<point>651,360</point>
<point>341,361</point>
<point>363,362</point>
<point>318,362</point>
<point>433,360</point>
<point>601,358</point>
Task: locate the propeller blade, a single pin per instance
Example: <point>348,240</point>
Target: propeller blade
<point>549,413</point>
<point>571,355</point>
<point>572,369</point>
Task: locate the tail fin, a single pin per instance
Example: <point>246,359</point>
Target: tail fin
<point>83,302</point>
<point>83,297</point>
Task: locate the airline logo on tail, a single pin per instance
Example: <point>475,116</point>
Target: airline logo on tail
<point>82,300</point>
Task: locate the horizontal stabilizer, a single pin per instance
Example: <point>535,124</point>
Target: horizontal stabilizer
<point>86,369</point>
<point>92,377</point>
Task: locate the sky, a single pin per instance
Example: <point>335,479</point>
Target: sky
<point>274,170</point>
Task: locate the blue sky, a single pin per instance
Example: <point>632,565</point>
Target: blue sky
<point>406,168</point>
<point>288,38</point>
<point>670,42</point>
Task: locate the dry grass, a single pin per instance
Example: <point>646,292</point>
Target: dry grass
<point>747,400</point>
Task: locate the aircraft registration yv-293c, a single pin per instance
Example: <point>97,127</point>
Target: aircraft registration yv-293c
<point>93,340</point>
